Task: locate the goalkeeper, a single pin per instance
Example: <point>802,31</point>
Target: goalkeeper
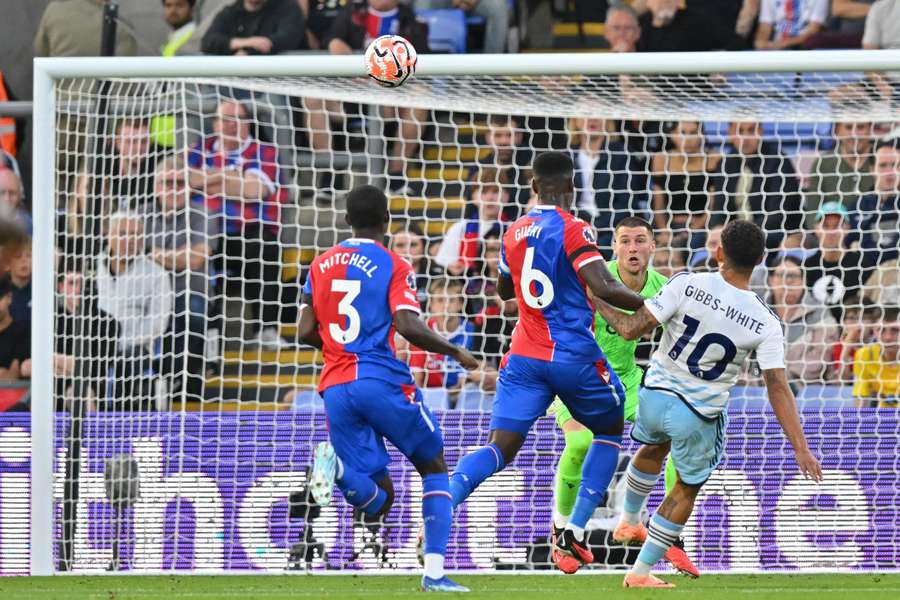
<point>633,246</point>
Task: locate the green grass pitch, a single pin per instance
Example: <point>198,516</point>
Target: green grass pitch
<point>484,587</point>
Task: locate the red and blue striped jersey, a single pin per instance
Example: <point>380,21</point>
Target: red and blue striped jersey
<point>379,23</point>
<point>441,370</point>
<point>254,157</point>
<point>356,287</point>
<point>542,252</point>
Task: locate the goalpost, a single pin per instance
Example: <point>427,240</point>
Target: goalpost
<point>168,432</point>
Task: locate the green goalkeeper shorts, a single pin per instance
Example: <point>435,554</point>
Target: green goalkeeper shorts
<point>631,383</point>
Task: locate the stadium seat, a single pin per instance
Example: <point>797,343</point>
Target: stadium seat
<point>447,32</point>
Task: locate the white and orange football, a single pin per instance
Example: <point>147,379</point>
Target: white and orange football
<point>390,60</point>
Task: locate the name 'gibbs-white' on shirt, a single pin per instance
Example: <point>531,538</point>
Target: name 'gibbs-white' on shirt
<point>356,287</point>
<point>711,329</point>
<point>542,252</point>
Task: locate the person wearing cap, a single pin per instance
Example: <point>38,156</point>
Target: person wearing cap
<point>878,213</point>
<point>834,272</point>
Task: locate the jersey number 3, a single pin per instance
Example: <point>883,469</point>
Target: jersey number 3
<point>350,289</point>
<point>531,275</point>
<point>703,344</point>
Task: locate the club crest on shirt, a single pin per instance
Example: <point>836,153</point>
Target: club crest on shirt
<point>589,236</point>
<point>411,281</point>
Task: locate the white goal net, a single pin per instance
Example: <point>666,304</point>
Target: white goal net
<point>182,412</point>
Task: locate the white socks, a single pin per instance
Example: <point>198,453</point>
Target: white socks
<point>560,520</point>
<point>434,566</point>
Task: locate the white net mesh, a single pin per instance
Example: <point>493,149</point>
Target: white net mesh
<point>189,211</point>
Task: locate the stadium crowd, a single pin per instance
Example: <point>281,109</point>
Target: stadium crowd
<point>186,229</point>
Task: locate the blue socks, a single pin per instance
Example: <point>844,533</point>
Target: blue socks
<point>661,534</point>
<point>638,486</point>
<point>360,491</point>
<point>474,468</point>
<point>598,470</point>
<point>437,512</point>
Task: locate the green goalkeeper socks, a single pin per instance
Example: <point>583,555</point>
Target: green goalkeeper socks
<point>568,472</point>
<point>671,474</point>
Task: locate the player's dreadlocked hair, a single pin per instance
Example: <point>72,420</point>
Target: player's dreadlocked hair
<point>367,207</point>
<point>744,244</point>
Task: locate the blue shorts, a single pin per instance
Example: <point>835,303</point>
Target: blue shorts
<point>697,444</point>
<point>362,413</point>
<point>527,386</point>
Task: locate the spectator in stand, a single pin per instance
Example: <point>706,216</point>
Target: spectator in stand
<point>848,23</point>
<point>14,350</point>
<point>445,307</point>
<point>125,180</point>
<point>666,27</point>
<point>179,16</point>
<point>882,287</point>
<point>320,15</point>
<point>494,12</point>
<point>842,174</point>
<point>256,27</point>
<point>605,189</point>
<point>685,186</point>
<point>810,330</point>
<point>74,28</point>
<point>876,367</point>
<point>459,248</point>
<point>622,29</point>
<point>85,342</point>
<point>492,316</point>
<point>238,179</point>
<point>409,243</point>
<point>137,292</point>
<point>878,213</point>
<point>181,240</point>
<point>834,273</point>
<point>858,328</point>
<point>882,32</point>
<point>12,199</point>
<point>787,24</point>
<point>505,139</point>
<point>20,277</point>
<point>669,261</point>
<point>360,22</point>
<point>760,184</point>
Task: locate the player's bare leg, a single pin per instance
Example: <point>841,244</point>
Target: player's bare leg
<point>641,476</point>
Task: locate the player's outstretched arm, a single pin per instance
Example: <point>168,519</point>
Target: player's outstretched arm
<point>410,326</point>
<point>606,287</point>
<point>630,327</point>
<point>308,324</point>
<point>782,400</point>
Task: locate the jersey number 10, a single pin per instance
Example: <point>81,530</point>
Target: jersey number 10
<point>703,344</point>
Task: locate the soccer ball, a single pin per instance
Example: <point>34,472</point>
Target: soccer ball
<point>390,60</point>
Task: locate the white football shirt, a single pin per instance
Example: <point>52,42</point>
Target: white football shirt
<point>711,329</point>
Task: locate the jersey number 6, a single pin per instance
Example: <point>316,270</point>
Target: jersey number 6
<point>531,275</point>
<point>350,289</point>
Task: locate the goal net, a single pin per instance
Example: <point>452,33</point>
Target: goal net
<point>182,208</point>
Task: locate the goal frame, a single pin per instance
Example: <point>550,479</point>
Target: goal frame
<point>49,70</point>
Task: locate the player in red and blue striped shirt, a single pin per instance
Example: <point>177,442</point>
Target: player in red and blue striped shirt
<point>355,297</point>
<point>549,260</point>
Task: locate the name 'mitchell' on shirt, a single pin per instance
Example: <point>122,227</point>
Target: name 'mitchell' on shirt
<point>356,287</point>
